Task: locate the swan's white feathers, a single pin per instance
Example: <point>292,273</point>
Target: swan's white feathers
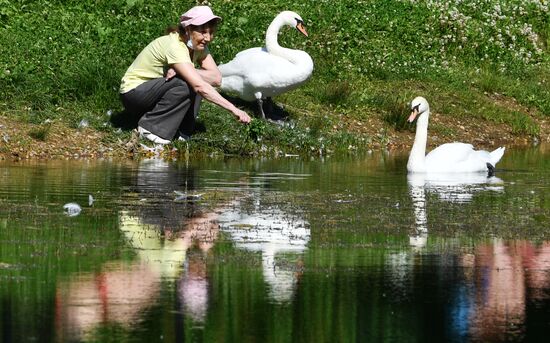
<point>458,157</point>
<point>250,51</point>
<point>266,73</point>
<point>448,153</point>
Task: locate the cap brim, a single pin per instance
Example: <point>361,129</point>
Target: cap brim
<point>203,20</point>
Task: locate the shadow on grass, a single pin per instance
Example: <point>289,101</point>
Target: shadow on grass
<point>272,110</point>
<point>124,120</point>
<point>128,121</point>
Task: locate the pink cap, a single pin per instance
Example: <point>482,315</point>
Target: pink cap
<point>197,15</point>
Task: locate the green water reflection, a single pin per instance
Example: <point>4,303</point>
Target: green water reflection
<point>274,251</point>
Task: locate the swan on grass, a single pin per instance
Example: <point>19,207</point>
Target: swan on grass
<point>260,73</point>
<point>447,158</point>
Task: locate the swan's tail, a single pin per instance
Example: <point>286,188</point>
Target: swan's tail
<point>496,155</point>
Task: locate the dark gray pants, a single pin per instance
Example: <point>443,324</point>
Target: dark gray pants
<point>164,107</point>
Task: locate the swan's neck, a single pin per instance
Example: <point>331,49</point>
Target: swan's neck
<point>273,47</point>
<point>417,157</point>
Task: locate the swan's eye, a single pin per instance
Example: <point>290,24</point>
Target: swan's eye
<point>415,108</point>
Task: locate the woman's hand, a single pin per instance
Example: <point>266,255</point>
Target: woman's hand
<point>170,73</point>
<point>242,116</point>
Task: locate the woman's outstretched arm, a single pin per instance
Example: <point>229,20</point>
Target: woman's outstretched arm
<point>188,72</point>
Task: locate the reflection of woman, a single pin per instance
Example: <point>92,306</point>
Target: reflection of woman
<point>162,83</point>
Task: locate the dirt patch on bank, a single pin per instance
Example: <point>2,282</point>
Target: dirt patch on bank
<point>483,134</point>
<point>19,140</point>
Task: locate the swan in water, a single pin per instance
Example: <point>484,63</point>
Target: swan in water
<point>448,158</point>
<point>260,73</point>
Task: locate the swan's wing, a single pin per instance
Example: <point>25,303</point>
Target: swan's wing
<point>450,152</point>
<point>238,65</point>
<point>251,51</point>
<point>447,156</point>
<point>457,157</point>
<point>259,69</point>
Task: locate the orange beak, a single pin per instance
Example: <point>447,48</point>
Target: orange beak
<point>413,115</point>
<point>302,29</point>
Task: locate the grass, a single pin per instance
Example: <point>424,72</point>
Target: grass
<point>40,132</point>
<point>467,58</point>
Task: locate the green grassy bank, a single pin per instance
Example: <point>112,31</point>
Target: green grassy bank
<point>62,61</point>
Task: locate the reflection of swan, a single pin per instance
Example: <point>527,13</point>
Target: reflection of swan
<point>455,187</point>
<point>418,196</point>
<point>271,232</point>
<point>258,73</point>
<point>452,187</point>
<point>450,157</point>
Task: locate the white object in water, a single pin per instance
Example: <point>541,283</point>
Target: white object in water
<point>90,200</point>
<point>181,196</point>
<point>72,209</point>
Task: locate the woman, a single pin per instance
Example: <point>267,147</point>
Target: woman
<point>162,85</point>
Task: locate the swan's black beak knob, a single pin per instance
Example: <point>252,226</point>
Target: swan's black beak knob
<point>414,113</point>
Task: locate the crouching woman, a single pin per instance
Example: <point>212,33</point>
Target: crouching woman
<point>162,86</point>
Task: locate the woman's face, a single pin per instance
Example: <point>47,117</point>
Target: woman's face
<point>201,36</point>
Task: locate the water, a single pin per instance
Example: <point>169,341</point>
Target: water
<point>274,250</point>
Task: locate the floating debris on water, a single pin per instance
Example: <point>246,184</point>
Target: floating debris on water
<point>180,196</point>
<point>90,200</point>
<point>72,209</point>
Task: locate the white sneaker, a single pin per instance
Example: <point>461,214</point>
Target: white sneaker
<point>152,137</point>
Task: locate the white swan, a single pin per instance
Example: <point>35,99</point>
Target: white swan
<point>259,73</point>
<point>449,158</point>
